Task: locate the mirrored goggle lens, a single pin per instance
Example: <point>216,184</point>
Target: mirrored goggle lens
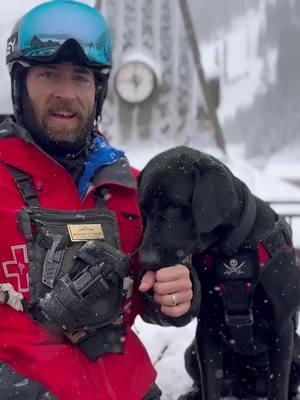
<point>42,33</point>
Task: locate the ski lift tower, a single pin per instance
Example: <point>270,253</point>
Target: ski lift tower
<point>157,85</point>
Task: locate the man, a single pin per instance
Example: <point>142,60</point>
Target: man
<point>70,281</point>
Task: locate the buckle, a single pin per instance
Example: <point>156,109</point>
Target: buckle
<point>239,319</point>
<point>27,191</point>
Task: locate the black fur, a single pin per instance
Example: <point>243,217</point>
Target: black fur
<point>191,202</point>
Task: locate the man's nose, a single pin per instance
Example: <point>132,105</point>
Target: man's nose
<point>65,90</point>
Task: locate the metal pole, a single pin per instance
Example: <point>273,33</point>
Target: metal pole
<point>98,5</point>
<point>191,36</point>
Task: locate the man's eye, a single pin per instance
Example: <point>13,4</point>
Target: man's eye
<point>83,79</point>
<point>48,75</point>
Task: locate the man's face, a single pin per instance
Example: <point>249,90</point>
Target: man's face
<point>62,97</point>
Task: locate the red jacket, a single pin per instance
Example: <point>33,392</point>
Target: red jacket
<point>31,349</point>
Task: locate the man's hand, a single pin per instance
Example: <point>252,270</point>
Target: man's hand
<point>172,289</point>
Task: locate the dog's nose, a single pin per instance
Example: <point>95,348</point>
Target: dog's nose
<point>150,260</point>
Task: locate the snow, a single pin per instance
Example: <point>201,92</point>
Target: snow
<point>166,346</point>
<point>242,80</point>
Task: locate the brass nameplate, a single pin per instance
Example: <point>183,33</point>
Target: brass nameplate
<point>83,232</point>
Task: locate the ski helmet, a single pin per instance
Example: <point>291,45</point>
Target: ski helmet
<point>59,31</point>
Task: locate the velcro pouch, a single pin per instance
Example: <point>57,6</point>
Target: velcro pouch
<point>76,275</point>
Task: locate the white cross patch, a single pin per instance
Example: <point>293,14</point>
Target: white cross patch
<point>15,268</point>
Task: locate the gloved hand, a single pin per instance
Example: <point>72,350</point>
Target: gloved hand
<point>90,296</point>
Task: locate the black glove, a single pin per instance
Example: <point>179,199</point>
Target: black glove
<point>18,387</point>
<point>90,295</point>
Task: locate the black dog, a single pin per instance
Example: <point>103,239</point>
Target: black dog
<point>192,204</point>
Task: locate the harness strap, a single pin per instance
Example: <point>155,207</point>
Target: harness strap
<point>54,256</point>
<point>280,236</point>
<point>25,186</point>
<point>240,233</point>
<point>238,312</point>
<point>101,197</point>
<point>238,275</point>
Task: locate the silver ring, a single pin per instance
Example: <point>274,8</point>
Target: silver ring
<point>173,301</point>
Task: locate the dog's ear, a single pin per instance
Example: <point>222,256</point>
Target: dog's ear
<point>139,178</point>
<point>138,182</point>
<point>214,197</point>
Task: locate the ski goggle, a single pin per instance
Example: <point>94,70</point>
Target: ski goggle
<point>45,29</point>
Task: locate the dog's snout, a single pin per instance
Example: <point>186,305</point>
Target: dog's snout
<point>149,259</point>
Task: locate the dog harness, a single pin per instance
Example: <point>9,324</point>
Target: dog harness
<point>237,265</point>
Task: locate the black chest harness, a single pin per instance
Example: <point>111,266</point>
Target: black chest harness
<point>235,267</point>
<point>78,277</point>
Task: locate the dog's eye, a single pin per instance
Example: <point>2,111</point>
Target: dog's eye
<point>176,206</point>
<point>180,210</point>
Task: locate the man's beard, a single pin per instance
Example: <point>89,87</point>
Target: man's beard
<point>57,141</point>
<point>60,132</point>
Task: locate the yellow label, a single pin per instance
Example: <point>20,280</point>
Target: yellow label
<point>83,232</point>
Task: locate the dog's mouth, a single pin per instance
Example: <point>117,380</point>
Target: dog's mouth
<point>204,241</point>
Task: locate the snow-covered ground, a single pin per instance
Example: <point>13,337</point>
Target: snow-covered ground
<point>264,177</point>
<point>166,346</point>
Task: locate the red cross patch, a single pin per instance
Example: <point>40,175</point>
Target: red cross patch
<point>16,267</point>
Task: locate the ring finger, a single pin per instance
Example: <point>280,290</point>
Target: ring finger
<point>173,299</point>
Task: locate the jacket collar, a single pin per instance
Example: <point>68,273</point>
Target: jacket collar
<point>22,153</point>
